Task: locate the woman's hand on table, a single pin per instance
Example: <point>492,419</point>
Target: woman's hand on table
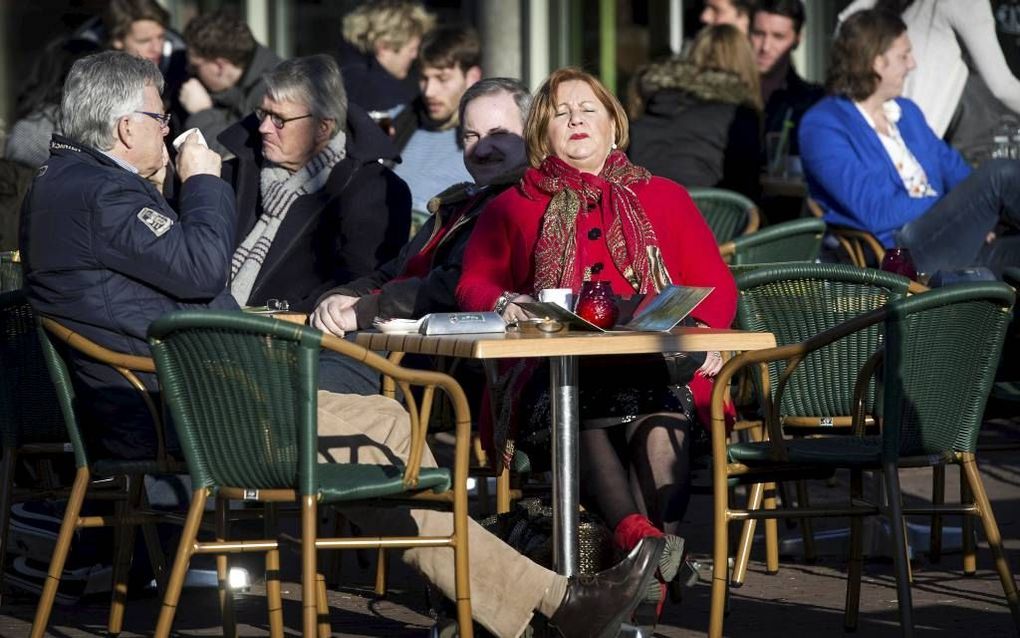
<point>513,312</point>
<point>712,366</point>
<point>335,314</point>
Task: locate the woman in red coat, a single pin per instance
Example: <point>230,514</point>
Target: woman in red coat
<point>582,212</point>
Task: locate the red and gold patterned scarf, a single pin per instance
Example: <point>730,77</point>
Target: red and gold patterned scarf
<point>629,233</point>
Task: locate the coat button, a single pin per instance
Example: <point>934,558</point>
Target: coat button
<point>594,233</point>
<point>596,268</point>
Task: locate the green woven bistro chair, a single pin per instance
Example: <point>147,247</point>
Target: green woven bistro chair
<point>935,371</point>
<point>728,214</point>
<point>797,240</point>
<point>242,391</point>
<point>57,341</point>
<point>30,422</point>
<point>796,301</point>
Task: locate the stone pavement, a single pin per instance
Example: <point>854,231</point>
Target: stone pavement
<point>807,599</point>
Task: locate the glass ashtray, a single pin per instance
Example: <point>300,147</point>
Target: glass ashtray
<point>541,326</point>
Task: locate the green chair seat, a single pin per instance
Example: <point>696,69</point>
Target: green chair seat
<point>847,451</point>
<point>117,467</point>
<point>357,482</point>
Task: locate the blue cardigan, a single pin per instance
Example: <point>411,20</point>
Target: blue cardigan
<point>850,174</point>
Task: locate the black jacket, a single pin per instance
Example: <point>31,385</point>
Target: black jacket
<point>793,98</point>
<point>106,255</point>
<point>356,223</point>
<point>369,85</point>
<point>382,293</point>
<point>699,128</point>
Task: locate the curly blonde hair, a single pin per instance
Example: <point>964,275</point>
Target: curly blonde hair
<point>389,23</point>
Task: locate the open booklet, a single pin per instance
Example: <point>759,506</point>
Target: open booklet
<point>669,308</point>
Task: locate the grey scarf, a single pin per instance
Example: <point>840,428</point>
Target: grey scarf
<point>280,189</point>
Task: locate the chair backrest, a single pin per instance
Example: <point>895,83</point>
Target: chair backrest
<point>29,412</point>
<point>799,300</point>
<point>797,240</point>
<point>728,214</point>
<point>242,392</point>
<point>942,349</point>
<point>10,270</point>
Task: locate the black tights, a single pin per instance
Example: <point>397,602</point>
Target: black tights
<point>638,468</point>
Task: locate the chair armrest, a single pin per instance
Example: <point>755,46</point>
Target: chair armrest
<point>864,376</point>
<point>429,380</point>
<point>794,353</point>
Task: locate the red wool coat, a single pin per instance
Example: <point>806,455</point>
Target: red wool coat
<point>500,253</point>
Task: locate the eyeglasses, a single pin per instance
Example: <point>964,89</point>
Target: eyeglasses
<point>278,120</point>
<point>162,118</point>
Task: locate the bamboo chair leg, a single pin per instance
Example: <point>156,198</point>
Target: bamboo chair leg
<point>465,625</point>
<point>223,572</point>
<point>938,497</point>
<point>806,526</point>
<point>743,555</point>
<point>771,532</point>
<point>124,542</point>
<point>67,528</point>
<point>969,546</point>
<point>856,559</point>
<point>185,549</point>
<point>322,606</point>
<point>970,470</point>
<point>274,600</point>
<point>503,491</point>
<point>899,548</point>
<point>309,527</point>
<point>8,461</point>
<point>720,575</point>
<point>381,565</point>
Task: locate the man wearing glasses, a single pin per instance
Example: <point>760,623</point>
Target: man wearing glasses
<point>104,252</point>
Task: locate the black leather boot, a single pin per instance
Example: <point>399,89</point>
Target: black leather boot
<point>596,605</point>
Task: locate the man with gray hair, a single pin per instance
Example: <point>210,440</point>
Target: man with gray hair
<point>104,252</point>
<point>316,207</point>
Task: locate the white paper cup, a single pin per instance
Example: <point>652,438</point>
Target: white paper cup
<point>179,140</point>
<point>562,297</point>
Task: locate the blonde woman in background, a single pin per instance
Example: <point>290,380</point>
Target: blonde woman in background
<point>701,123</point>
<point>380,45</point>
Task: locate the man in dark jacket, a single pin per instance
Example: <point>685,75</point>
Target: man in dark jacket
<point>775,33</point>
<point>103,251</point>
<point>229,65</point>
<point>422,278</point>
<point>316,207</point>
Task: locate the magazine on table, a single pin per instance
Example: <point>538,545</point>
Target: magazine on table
<point>665,312</point>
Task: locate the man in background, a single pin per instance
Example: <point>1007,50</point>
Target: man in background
<point>775,33</point>
<point>426,133</point>
<point>228,65</point>
<point>735,12</point>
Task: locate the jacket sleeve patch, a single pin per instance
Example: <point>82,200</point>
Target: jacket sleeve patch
<point>156,221</point>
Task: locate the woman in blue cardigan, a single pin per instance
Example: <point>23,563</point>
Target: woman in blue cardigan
<point>873,163</point>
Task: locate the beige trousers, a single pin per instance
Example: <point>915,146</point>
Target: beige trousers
<point>506,587</point>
